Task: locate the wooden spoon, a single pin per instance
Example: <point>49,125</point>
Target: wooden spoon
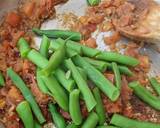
<point>139,20</point>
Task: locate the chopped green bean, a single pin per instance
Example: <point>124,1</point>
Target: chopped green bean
<point>108,56</point>
<point>155,84</point>
<point>91,121</point>
<point>72,125</point>
<point>2,82</point>
<point>145,95</point>
<point>90,52</point>
<point>36,58</point>
<point>26,93</point>
<point>40,82</point>
<point>93,2</point>
<point>24,111</point>
<point>100,65</point>
<point>57,118</point>
<point>117,75</point>
<point>57,91</point>
<point>82,49</point>
<point>99,107</point>
<point>23,47</point>
<point>124,122</point>
<point>55,60</point>
<point>123,69</point>
<point>44,47</point>
<point>82,85</point>
<point>98,78</point>
<point>64,34</point>
<point>82,72</point>
<point>116,57</point>
<point>74,107</point>
<point>68,84</point>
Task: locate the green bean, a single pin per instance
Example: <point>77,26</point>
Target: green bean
<point>55,44</point>
<point>100,65</point>
<point>74,107</point>
<point>83,73</point>
<point>57,118</point>
<point>99,107</point>
<point>125,122</point>
<point>145,95</point>
<point>82,85</point>
<point>123,69</point>
<point>26,93</point>
<point>68,84</point>
<point>72,125</point>
<point>93,2</point>
<point>82,49</point>
<point>42,63</point>
<point>155,84</point>
<point>54,61</point>
<point>23,47</point>
<point>91,121</point>
<point>116,57</point>
<point>36,58</point>
<point>117,75</point>
<point>44,47</point>
<point>64,34</point>
<point>105,126</point>
<point>2,82</point>
<point>37,125</point>
<point>75,47</point>
<point>90,52</point>
<point>98,78</point>
<point>24,111</point>
<point>57,91</point>
<point>40,82</point>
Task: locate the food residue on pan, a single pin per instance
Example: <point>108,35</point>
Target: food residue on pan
<point>102,17</point>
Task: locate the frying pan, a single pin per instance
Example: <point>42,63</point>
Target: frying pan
<point>78,8</point>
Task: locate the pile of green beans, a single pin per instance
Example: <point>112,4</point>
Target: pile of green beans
<point>64,70</point>
<point>97,54</point>
<point>98,78</point>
